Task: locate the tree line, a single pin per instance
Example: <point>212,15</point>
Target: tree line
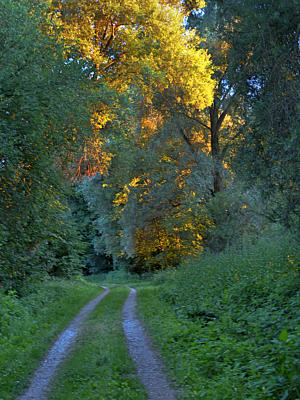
<point>137,134</point>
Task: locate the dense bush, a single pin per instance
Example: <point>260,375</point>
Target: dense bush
<point>229,324</point>
<point>44,115</point>
<point>235,217</point>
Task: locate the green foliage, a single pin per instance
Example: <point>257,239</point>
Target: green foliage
<point>60,252</point>
<point>228,325</point>
<point>29,324</point>
<point>149,207</point>
<point>255,49</point>
<point>64,251</point>
<point>43,113</point>
<point>100,367</point>
<point>263,41</point>
<point>236,219</point>
<point>119,277</point>
<point>84,219</point>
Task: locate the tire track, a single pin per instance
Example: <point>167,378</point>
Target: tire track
<point>43,375</point>
<point>149,368</point>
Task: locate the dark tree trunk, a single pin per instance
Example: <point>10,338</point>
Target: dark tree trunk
<point>215,124</point>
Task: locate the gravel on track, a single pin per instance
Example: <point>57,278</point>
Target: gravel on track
<point>149,368</point>
<point>43,375</point>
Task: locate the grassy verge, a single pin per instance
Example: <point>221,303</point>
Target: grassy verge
<point>99,367</point>
<point>229,325</point>
<point>28,326</point>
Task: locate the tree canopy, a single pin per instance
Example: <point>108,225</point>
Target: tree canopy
<point>38,126</point>
<point>144,131</point>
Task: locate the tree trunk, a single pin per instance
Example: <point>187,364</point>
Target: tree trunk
<point>215,148</point>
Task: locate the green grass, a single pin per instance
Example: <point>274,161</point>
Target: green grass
<point>120,278</point>
<point>228,326</point>
<point>28,325</point>
<point>99,367</point>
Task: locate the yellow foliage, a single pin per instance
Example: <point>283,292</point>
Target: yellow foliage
<point>121,198</point>
<point>133,42</point>
<point>125,39</point>
<point>134,182</point>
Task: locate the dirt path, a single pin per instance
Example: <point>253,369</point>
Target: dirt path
<point>149,367</point>
<point>43,375</point>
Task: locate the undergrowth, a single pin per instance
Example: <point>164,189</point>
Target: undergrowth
<point>29,324</point>
<point>120,277</point>
<point>229,324</point>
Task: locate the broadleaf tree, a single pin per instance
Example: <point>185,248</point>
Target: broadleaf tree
<point>143,53</point>
<point>43,116</point>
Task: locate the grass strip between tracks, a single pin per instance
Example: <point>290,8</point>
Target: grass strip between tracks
<point>99,367</point>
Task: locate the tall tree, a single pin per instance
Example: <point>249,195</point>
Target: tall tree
<point>142,52</point>
<point>217,125</point>
<point>150,206</point>
<point>267,34</point>
<point>255,45</point>
<point>133,43</point>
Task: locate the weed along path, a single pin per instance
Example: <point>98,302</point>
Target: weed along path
<point>44,374</point>
<point>148,366</point>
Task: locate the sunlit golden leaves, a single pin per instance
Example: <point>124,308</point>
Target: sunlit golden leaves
<point>121,198</point>
<point>143,49</point>
<point>150,122</point>
<point>125,39</point>
<point>161,247</point>
<point>133,44</point>
<point>93,159</point>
